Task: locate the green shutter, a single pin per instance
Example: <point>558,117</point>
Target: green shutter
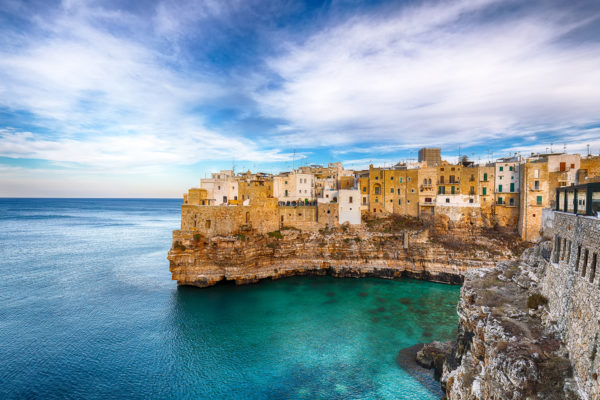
<point>512,187</point>
<point>500,188</point>
<point>539,200</point>
<point>484,191</point>
<point>501,168</point>
<point>485,177</point>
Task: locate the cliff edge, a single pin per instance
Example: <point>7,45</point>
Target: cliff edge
<point>386,248</point>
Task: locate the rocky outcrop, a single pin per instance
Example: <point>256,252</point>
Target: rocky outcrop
<point>504,350</point>
<point>342,252</point>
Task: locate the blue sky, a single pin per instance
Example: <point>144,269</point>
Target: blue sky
<point>142,99</point>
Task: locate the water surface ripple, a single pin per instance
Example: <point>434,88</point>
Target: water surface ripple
<point>88,310</point>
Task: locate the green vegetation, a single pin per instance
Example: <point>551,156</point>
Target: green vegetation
<point>536,300</point>
<point>197,237</point>
<point>179,246</point>
<point>275,234</point>
<point>290,228</point>
<point>240,236</point>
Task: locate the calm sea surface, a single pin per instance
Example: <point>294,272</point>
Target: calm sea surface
<point>88,310</point>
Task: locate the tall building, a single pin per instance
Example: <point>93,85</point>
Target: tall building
<point>431,155</point>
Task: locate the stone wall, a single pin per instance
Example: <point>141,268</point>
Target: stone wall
<point>572,285</point>
<point>300,217</point>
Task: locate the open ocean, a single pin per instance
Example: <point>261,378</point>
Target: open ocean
<point>88,310</point>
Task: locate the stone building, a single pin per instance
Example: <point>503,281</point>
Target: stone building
<point>541,175</point>
<point>432,156</point>
<point>222,187</point>
<point>393,191</point>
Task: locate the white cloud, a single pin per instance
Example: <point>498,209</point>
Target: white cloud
<point>436,74</point>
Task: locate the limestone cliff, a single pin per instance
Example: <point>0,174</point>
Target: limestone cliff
<point>387,249</point>
<point>529,328</point>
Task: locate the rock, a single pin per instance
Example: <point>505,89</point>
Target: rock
<point>433,355</point>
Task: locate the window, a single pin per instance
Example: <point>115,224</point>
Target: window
<point>442,179</point>
<point>485,177</point>
<point>572,166</point>
<point>452,189</point>
<point>471,201</point>
<point>441,169</point>
<point>484,191</point>
<point>377,189</point>
<point>408,179</point>
<point>511,201</point>
<point>392,190</point>
<point>364,189</point>
<point>398,192</point>
<point>536,185</point>
<point>512,187</point>
<point>499,200</point>
<point>286,182</point>
<point>364,200</point>
<point>218,187</point>
<point>452,179</point>
<point>350,200</point>
<point>452,169</point>
<point>539,200</point>
<point>442,190</point>
<point>447,200</point>
<point>500,188</point>
<point>399,202</point>
<point>400,180</point>
<point>510,168</point>
<point>376,200</point>
<point>536,173</point>
<point>391,178</point>
<point>501,168</point>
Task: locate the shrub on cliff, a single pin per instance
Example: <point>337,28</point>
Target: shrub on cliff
<point>275,234</point>
<point>179,246</point>
<point>536,300</point>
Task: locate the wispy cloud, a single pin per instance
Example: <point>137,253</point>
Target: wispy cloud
<point>440,72</point>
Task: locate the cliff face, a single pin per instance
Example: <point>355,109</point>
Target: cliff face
<point>342,252</point>
<point>530,328</point>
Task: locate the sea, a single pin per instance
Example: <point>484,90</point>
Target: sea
<point>88,310</point>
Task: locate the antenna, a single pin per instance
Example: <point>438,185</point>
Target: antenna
<point>564,148</point>
<point>551,147</point>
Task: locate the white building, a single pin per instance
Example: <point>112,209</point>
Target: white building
<point>294,187</point>
<point>221,187</point>
<point>329,196</point>
<point>507,175</point>
<point>349,206</point>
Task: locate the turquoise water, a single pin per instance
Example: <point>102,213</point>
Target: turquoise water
<point>88,310</point>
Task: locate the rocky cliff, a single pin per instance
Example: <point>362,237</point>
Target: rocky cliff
<point>392,248</point>
<point>529,328</point>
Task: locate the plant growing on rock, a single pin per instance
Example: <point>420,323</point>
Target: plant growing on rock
<point>536,300</point>
<point>275,234</point>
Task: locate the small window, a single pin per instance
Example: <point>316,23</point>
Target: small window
<point>500,188</point>
<point>399,202</point>
<point>539,200</point>
<point>364,189</point>
<point>536,173</point>
<point>350,200</point>
<point>501,168</point>
<point>447,200</point>
<point>392,190</point>
<point>398,192</point>
<point>510,168</point>
<point>511,201</point>
<point>391,178</point>
<point>471,201</point>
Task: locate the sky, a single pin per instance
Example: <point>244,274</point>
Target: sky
<point>144,98</point>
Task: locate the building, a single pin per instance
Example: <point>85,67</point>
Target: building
<point>431,155</point>
<point>349,206</point>
<point>541,175</point>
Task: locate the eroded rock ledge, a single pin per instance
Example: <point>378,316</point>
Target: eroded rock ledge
<point>504,350</point>
<point>414,252</point>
